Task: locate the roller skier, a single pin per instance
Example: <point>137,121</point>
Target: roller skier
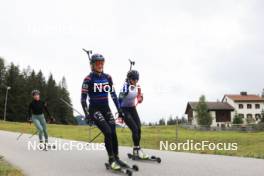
<point>96,86</point>
<point>129,97</point>
<point>36,115</point>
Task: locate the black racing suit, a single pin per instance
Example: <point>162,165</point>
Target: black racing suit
<point>132,120</point>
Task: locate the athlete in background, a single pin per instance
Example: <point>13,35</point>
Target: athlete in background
<point>129,97</point>
<point>36,114</point>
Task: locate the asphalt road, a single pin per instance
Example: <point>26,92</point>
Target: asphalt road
<point>91,162</point>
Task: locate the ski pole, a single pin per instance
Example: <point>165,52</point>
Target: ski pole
<point>19,136</point>
<point>33,134</point>
<point>95,137</point>
<point>69,105</point>
<point>98,135</point>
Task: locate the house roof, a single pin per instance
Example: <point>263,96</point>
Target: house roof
<point>212,106</point>
<point>247,97</point>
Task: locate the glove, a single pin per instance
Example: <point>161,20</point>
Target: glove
<point>140,98</point>
<point>88,120</point>
<point>121,114</point>
<point>29,119</point>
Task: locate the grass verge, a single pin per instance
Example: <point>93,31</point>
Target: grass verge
<point>7,169</point>
<point>250,144</point>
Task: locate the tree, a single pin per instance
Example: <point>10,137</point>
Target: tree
<point>16,111</point>
<point>22,83</point>
<point>162,121</point>
<point>2,87</point>
<point>65,113</point>
<point>203,115</point>
<point>237,119</point>
<point>2,71</point>
<point>171,121</point>
<point>59,110</point>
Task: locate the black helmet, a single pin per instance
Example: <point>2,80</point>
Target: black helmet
<point>96,57</point>
<point>35,92</point>
<point>133,74</point>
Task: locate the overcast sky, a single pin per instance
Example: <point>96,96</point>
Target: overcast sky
<point>182,48</point>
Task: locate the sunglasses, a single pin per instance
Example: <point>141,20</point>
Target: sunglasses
<point>99,63</point>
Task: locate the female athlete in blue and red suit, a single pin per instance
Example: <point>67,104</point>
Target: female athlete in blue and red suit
<point>96,86</point>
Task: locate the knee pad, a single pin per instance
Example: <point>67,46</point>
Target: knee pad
<point>98,116</point>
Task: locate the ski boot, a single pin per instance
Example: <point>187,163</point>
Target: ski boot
<point>114,164</point>
<point>138,153</point>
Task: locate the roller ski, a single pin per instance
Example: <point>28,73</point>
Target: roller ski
<point>115,167</point>
<point>138,154</point>
<point>50,146</point>
<point>125,165</point>
<point>46,146</point>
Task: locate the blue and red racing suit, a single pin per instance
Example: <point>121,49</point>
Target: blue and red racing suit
<point>96,88</point>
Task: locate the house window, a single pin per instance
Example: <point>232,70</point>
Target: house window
<point>241,115</point>
<point>257,106</point>
<point>250,119</point>
<point>249,116</point>
<point>257,117</point>
<point>240,106</point>
<point>249,106</point>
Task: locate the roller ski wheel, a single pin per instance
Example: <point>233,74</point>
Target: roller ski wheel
<point>125,165</point>
<point>152,158</point>
<point>135,167</point>
<point>122,170</point>
<point>46,147</point>
<point>42,147</point>
<point>50,146</point>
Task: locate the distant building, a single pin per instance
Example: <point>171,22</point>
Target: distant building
<point>221,113</point>
<point>247,106</point>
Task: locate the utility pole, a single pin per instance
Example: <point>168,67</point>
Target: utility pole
<point>177,130</point>
<point>7,89</point>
